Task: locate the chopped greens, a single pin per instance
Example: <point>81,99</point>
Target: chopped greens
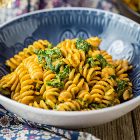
<point>102,60</point>
<point>5,91</point>
<point>98,106</point>
<point>57,67</point>
<point>40,54</point>
<point>58,80</point>
<point>49,64</point>
<point>92,62</point>
<point>121,86</point>
<point>64,74</point>
<point>113,77</point>
<point>46,57</point>
<point>53,53</point>
<point>82,45</point>
<point>56,83</point>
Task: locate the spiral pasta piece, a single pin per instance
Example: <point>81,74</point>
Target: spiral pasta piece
<point>10,83</point>
<point>103,91</point>
<point>127,94</point>
<point>107,57</point>
<point>69,106</point>
<point>39,89</point>
<point>94,41</point>
<point>76,78</point>
<point>8,80</point>
<point>18,58</point>
<point>41,104</point>
<point>103,53</point>
<point>90,74</point>
<point>51,96</point>
<point>48,75</point>
<point>122,67</point>
<point>86,97</point>
<point>74,84</point>
<point>66,46</point>
<point>107,71</point>
<point>27,87</point>
<point>74,57</point>
<point>66,96</point>
<point>42,89</point>
<point>34,68</point>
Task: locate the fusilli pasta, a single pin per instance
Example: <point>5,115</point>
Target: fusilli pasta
<point>74,75</point>
<point>18,58</point>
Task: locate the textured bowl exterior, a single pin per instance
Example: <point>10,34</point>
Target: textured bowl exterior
<point>120,37</point>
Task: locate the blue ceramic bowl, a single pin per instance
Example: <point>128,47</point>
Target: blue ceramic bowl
<point>121,38</point>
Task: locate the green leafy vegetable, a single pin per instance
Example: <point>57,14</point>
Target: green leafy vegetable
<point>82,45</point>
<point>40,58</point>
<point>53,53</point>
<point>92,62</point>
<point>113,77</point>
<point>57,67</point>
<point>49,64</point>
<point>64,74</point>
<point>98,106</point>
<point>58,80</point>
<point>46,57</point>
<point>40,52</point>
<point>50,46</point>
<point>121,86</point>
<point>102,60</point>
<point>109,65</point>
<point>5,91</point>
<point>56,83</point>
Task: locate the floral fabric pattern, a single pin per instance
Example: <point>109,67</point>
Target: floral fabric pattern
<point>15,128</point>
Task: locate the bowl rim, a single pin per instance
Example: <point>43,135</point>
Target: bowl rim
<point>71,113</point>
<point>129,9</point>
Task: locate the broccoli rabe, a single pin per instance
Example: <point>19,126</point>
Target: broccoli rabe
<point>102,60</point>
<point>5,92</point>
<point>64,74</point>
<point>40,54</point>
<point>46,57</point>
<point>57,67</point>
<point>121,86</point>
<point>58,80</point>
<point>49,64</point>
<point>92,61</point>
<point>53,53</point>
<point>113,77</point>
<point>82,45</point>
<point>97,106</point>
<point>56,83</point>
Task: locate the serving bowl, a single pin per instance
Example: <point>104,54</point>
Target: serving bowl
<point>127,11</point>
<point>120,37</point>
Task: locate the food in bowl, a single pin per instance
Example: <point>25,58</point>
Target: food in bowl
<point>73,76</point>
<point>133,4</point>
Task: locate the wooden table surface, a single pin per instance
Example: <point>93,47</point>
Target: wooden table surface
<point>124,128</point>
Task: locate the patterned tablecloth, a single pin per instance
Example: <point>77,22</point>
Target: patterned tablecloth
<point>11,128</point>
